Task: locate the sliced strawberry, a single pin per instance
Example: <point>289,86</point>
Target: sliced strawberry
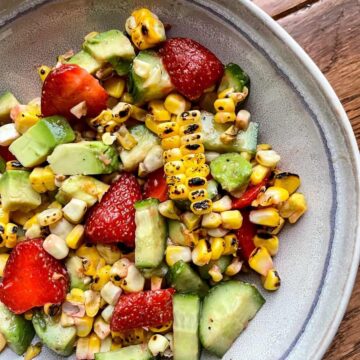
<point>32,278</point>
<point>155,186</point>
<point>147,308</point>
<point>192,67</point>
<point>113,219</point>
<point>6,154</point>
<point>69,85</point>
<point>245,236</point>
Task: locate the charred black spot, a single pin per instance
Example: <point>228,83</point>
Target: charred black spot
<point>124,113</point>
<point>196,181</point>
<point>201,205</point>
<point>144,30</point>
<point>192,146</point>
<point>168,131</point>
<point>117,278</point>
<point>191,129</point>
<point>265,236</point>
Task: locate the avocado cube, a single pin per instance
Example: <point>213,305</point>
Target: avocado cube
<point>39,141</point>
<point>17,331</point>
<point>7,102</point>
<point>231,170</point>
<point>17,193</point>
<point>86,61</point>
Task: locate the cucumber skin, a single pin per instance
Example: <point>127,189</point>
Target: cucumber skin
<point>134,352</point>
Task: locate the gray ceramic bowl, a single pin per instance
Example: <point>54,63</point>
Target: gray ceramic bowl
<point>299,115</point>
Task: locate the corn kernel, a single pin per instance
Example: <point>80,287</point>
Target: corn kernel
<point>61,228</point>
<point>217,247</point>
<point>76,296</point>
<point>151,124</point>
<point>101,328</point>
<point>92,302</point>
<point>211,220</point>
<point>171,142</point>
<point>234,268</point>
<point>134,280</point>
<point>107,313</point>
<point>201,207</point>
<point>259,173</point>
<point>172,154</point>
<point>192,149</point>
<point>215,273</point>
<point>49,216</point>
<point>194,160</point>
<point>111,253</point>
<point>82,348</point>
<point>175,253</point>
<point>189,117</point>
<point>161,328</point>
<point>202,170</point>
<point>231,244</point>
<point>269,158</point>
<point>32,351</point>
<point>272,196</point>
<point>271,281</point>
<point>101,278</point>
<point>158,110</point>
<point>3,260</point>
<point>267,217</point>
<point>169,210</point>
<point>178,192</point>
<point>43,72</point>
<point>167,129</point>
<point>225,104</point>
<point>75,210</point>
<point>42,179</point>
<point>176,104</point>
<point>191,139</point>
<point>269,242</point>
<point>231,219</point>
<point>94,346</point>
<point>91,258</point>
<point>174,167</point>
<point>294,207</point>
<point>222,204</point>
<point>198,195</point>
<point>115,87</point>
<point>224,117</point>
<point>201,255</point>
<point>75,237</point>
<point>287,181</point>
<point>83,326</point>
<point>56,247</point>
<point>158,344</point>
<point>260,261</point>
<point>110,293</point>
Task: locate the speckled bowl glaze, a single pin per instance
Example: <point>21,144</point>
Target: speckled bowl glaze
<point>299,114</point>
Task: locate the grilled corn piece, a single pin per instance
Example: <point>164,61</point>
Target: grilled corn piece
<point>267,217</point>
<point>287,181</point>
<point>294,207</point>
<point>268,241</point>
<point>176,104</point>
<point>271,281</point>
<point>260,261</point>
<point>42,179</point>
<point>201,255</point>
<point>175,253</point>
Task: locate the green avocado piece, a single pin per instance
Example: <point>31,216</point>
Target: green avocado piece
<point>17,192</point>
<point>7,102</point>
<point>84,158</point>
<point>86,61</point>
<point>121,66</point>
<point>145,141</point>
<point>234,77</point>
<point>39,141</point>
<point>81,187</point>
<point>17,331</point>
<point>75,269</point>
<point>211,131</point>
<point>109,45</point>
<point>59,339</point>
<point>231,170</point>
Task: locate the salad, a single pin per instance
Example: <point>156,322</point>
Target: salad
<point>134,194</point>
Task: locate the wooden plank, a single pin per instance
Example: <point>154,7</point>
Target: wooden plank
<point>329,31</point>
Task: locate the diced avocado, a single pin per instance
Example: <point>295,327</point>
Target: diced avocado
<point>223,262</point>
<point>39,141</point>
<point>75,269</point>
<point>231,170</point>
<point>17,331</point>
<point>84,158</point>
<point>145,141</point>
<point>134,352</point>
<point>2,165</point>
<point>211,130</point>
<point>226,311</point>
<point>109,45</point>
<point>59,339</point>
<point>81,187</point>
<point>121,66</point>
<point>185,280</point>
<point>234,77</point>
<point>186,309</point>
<point>86,61</point>
<point>7,102</point>
<point>150,234</point>
<point>16,191</point>
<point>152,85</point>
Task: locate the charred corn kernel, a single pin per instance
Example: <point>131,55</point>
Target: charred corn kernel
<point>260,261</point>
<point>176,104</point>
<point>231,219</point>
<point>234,268</point>
<point>263,147</point>
<point>275,230</point>
<point>269,158</point>
<point>225,104</point>
<point>175,253</point>
<point>172,155</point>
<point>161,328</point>
<point>272,196</point>
<point>4,216</point>
<point>189,117</point>
<point>178,192</point>
<point>287,181</point>
<point>201,207</point>
<point>110,293</point>
<point>14,165</point>
<point>94,346</point>
<point>151,124</point>
<point>191,139</point>
<point>202,170</point>
<point>201,255</point>
<point>33,351</point>
<point>2,235</point>
<point>43,72</point>
<point>61,228</point>
<point>115,86</point>
<point>190,129</point>
<point>224,117</point>
<point>169,210</point>
<point>42,179</point>
<point>75,237</point>
<point>294,207</point>
<point>121,112</point>
<point>191,220</point>
<point>267,217</point>
<point>167,129</point>
<point>231,244</point>
<point>119,270</point>
<point>192,149</point>
<point>52,309</point>
<point>211,220</point>
<point>90,257</point>
<point>153,161</point>
<point>158,344</point>
<point>49,216</point>
<point>196,182</point>
<point>82,348</point>
<point>228,136</point>
<point>83,326</point>
<point>198,195</point>
<point>107,313</point>
<point>268,241</point>
<point>222,204</point>
<point>194,160</point>
<point>56,247</point>
<point>92,302</point>
<point>174,167</point>
<point>111,253</point>
<point>3,260</point>
<point>215,273</point>
<point>10,235</point>
<point>217,247</point>
<point>259,173</point>
<point>176,179</point>
<point>271,281</point>
<point>157,109</point>
<point>134,280</point>
<point>75,210</point>
<point>101,278</point>
<point>125,138</point>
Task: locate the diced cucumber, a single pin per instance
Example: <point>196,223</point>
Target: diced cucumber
<point>86,61</point>
<point>185,280</point>
<point>222,263</point>
<point>186,327</point>
<point>226,311</point>
<point>234,77</point>
<point>134,352</point>
<point>177,232</point>
<point>150,235</point>
<point>159,271</point>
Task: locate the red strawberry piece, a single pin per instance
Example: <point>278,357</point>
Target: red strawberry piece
<point>32,278</point>
<point>69,85</point>
<point>113,219</point>
<point>192,67</point>
<point>155,186</point>
<point>245,236</point>
<point>6,154</point>
<point>147,308</point>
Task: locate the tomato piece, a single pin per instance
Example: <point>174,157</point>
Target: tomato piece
<point>249,196</point>
<point>245,236</point>
<point>6,154</point>
<point>155,186</point>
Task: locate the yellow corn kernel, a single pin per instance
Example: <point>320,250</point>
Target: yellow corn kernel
<point>191,220</point>
<point>33,351</point>
<point>231,244</point>
<point>91,258</point>
<point>294,207</point>
<point>287,181</point>
<point>175,253</point>
<point>269,158</point>
<point>215,273</point>
<point>3,260</point>
<point>94,346</point>
<point>101,278</point>
<point>271,281</point>
<point>224,117</point>
<point>191,139</point>
<point>196,182</point>
<point>176,104</point>
<point>201,207</point>
<point>231,219</point>
<point>49,216</point>
<point>225,104</point>
<point>198,195</point>
<point>14,165</point>
<point>42,179</point>
<point>115,87</point>
<point>171,142</point>
<point>176,179</point>
<point>268,241</point>
<point>192,149</point>
<point>92,302</point>
<point>83,326</point>
<point>178,192</point>
<point>174,167</point>
<point>167,129</point>
<point>260,261</point>
<point>76,296</point>
<point>190,129</point>
<point>75,237</point>
<point>125,138</point>
<point>55,205</point>
<point>161,328</point>
<point>194,160</point>
<point>10,235</point>
<point>263,147</point>
<point>201,254</point>
<point>82,348</point>
<point>169,210</point>
<point>32,221</point>
<point>172,154</point>
<point>157,109</point>
<point>217,247</point>
<point>234,268</point>
<point>225,93</point>
<point>138,113</point>
<point>222,204</point>
<point>211,220</point>
<point>259,173</point>
<point>151,124</point>
<point>202,170</point>
<point>43,72</point>
<point>267,217</point>
<point>110,253</point>
<point>2,235</point>
<point>189,117</point>
<point>272,196</point>
<point>4,216</point>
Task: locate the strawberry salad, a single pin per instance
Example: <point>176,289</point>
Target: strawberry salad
<point>134,194</point>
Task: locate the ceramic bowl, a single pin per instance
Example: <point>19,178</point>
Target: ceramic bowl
<point>299,114</point>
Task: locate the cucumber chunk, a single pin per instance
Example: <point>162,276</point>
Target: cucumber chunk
<point>134,352</point>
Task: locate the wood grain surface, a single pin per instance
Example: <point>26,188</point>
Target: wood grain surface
<point>329,31</point>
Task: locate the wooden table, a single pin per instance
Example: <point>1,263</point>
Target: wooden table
<point>329,31</point>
